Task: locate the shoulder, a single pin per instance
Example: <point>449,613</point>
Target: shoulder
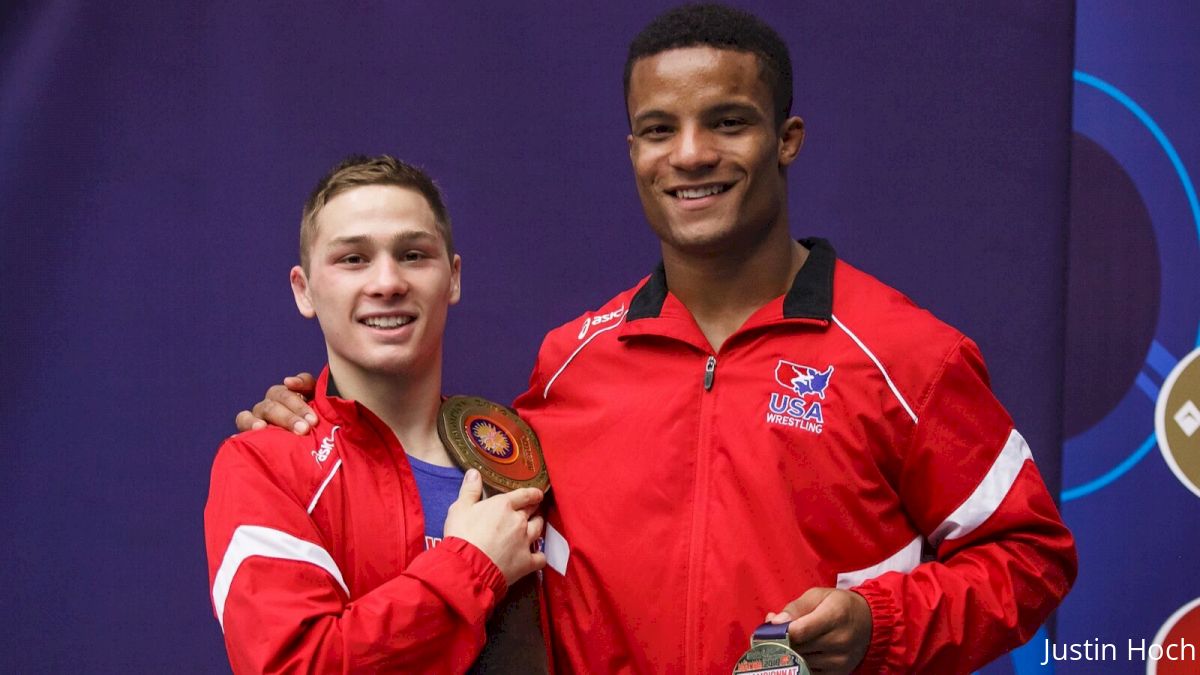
<point>593,329</point>
<point>869,307</point>
<point>911,344</point>
<point>587,327</point>
<point>277,456</point>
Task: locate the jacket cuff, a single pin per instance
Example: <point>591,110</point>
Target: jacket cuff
<point>477,586</point>
<point>489,575</point>
<point>882,652</point>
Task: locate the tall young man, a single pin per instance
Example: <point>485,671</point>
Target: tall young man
<point>760,429</point>
<point>327,552</point>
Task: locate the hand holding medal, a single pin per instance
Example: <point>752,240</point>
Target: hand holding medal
<point>825,629</point>
<point>771,653</point>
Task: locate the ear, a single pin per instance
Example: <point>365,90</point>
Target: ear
<point>301,292</point>
<point>629,142</point>
<point>791,138</point>
<point>455,279</point>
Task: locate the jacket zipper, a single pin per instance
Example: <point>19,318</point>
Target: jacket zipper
<point>698,535</point>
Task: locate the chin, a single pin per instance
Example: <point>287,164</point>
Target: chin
<point>380,364</point>
<point>410,363</point>
<point>698,241</point>
<point>400,365</point>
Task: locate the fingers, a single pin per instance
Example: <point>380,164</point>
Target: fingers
<point>813,617</point>
<point>294,402</point>
<point>304,384</point>
<point>471,490</point>
<point>524,498</point>
<point>277,414</point>
<point>285,405</point>
<point>834,652</point>
<point>807,602</point>
<point>809,634</point>
<point>799,607</point>
<point>833,634</point>
<point>782,617</point>
<point>245,421</point>
<point>533,559</point>
<point>533,529</point>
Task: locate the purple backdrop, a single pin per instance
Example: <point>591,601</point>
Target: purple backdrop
<point>155,157</point>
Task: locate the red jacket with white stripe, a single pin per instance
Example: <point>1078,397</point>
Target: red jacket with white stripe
<point>841,437</point>
<point>317,560</point>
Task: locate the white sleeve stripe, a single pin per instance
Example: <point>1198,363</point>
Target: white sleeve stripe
<point>987,496</point>
<point>878,365</point>
<point>546,392</point>
<point>313,504</point>
<point>904,560</point>
<point>255,540</point>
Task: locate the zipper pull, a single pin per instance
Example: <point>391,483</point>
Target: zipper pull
<point>710,370</point>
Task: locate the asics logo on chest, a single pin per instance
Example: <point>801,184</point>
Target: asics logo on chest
<point>322,453</point>
<point>600,320</point>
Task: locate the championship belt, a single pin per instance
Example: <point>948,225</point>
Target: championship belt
<point>771,653</point>
<point>491,439</point>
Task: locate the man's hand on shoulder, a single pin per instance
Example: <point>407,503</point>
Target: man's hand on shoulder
<point>285,405</point>
<point>500,526</point>
<point>829,627</point>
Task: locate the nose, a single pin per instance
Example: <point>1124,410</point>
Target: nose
<point>694,149</point>
<point>387,278</point>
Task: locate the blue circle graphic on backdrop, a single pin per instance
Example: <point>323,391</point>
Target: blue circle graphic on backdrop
<point>1125,435</point>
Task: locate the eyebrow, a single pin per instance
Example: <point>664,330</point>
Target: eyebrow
<point>719,109</point>
<point>726,108</point>
<point>400,238</point>
<point>651,114</point>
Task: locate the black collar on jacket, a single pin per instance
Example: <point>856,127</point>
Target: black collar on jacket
<point>810,297</point>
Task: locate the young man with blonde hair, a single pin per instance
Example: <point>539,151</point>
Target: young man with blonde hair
<point>327,551</point>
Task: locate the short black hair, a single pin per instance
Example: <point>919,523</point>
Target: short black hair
<point>723,27</point>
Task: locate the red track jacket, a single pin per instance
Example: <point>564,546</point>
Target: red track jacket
<point>841,437</point>
<point>316,555</point>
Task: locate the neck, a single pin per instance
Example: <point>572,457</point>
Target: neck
<point>723,290</point>
<point>407,403</point>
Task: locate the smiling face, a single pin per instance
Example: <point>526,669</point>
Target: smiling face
<point>707,155</point>
<point>379,281</point>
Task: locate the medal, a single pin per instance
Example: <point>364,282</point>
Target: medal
<point>771,653</point>
<point>491,439</point>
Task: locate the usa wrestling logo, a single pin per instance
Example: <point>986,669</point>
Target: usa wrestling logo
<point>801,406</point>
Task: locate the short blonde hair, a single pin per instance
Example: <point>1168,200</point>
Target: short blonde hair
<point>359,170</point>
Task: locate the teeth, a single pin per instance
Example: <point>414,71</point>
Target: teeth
<point>387,321</point>
<point>697,193</point>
